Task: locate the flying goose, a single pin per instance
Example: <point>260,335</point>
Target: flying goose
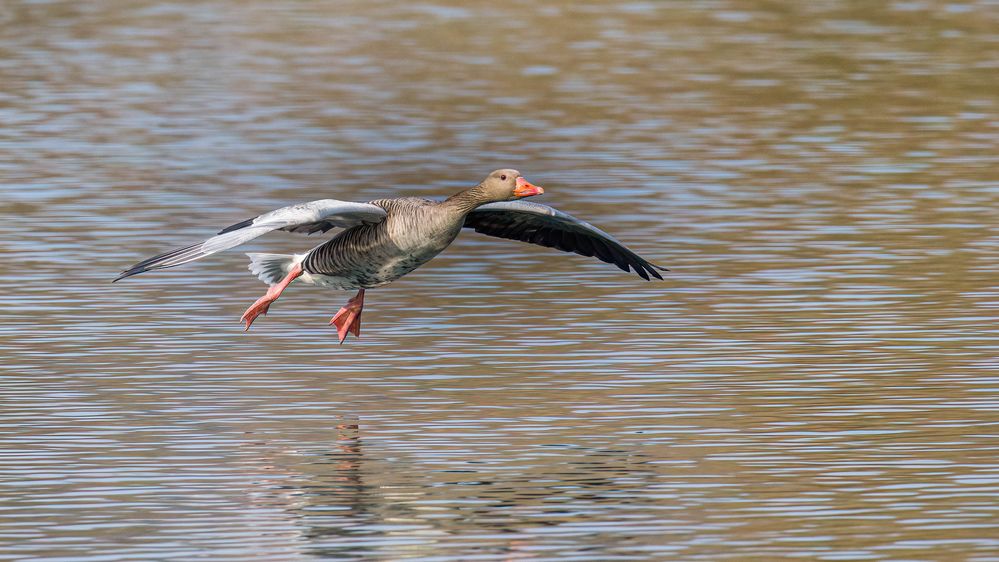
<point>385,239</point>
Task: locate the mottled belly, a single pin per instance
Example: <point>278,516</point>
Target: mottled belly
<point>375,272</point>
<point>370,256</point>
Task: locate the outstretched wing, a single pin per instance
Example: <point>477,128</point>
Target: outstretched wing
<point>314,216</point>
<point>546,226</point>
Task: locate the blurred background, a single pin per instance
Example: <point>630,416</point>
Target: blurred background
<point>817,376</point>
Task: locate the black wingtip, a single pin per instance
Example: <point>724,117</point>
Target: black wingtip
<point>650,269</point>
<point>128,273</point>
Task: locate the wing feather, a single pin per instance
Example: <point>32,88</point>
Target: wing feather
<point>314,216</point>
<point>547,226</point>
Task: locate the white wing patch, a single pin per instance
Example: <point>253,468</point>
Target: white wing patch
<point>308,217</point>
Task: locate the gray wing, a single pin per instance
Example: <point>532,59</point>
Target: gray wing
<point>314,216</point>
<point>546,226</point>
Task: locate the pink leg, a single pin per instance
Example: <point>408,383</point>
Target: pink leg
<point>349,317</point>
<point>264,302</point>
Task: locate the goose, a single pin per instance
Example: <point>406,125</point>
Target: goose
<point>384,239</point>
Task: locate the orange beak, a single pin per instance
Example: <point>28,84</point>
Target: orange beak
<point>526,189</point>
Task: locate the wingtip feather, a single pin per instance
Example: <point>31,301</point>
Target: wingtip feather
<point>641,272</point>
<point>128,273</point>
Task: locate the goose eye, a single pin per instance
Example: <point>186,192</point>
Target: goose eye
<point>503,177</point>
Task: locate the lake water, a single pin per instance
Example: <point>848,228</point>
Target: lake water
<point>817,377</point>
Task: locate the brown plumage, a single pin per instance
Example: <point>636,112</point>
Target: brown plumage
<point>385,239</point>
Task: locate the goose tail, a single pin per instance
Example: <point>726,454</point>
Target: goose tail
<point>271,268</point>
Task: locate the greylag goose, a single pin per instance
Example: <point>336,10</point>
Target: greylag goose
<point>385,239</point>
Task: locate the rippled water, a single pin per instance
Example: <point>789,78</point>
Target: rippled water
<point>816,378</point>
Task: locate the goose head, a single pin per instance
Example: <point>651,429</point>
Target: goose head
<point>507,185</point>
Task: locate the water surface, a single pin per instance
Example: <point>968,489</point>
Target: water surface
<point>816,378</point>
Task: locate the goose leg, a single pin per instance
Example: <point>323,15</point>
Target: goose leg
<point>348,319</point>
<point>264,302</point>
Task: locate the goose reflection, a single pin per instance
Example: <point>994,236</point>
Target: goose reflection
<point>344,503</point>
<point>356,500</point>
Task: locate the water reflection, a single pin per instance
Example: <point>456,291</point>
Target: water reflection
<point>339,499</point>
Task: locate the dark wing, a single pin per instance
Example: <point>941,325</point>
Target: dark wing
<point>546,226</point>
<point>310,217</point>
